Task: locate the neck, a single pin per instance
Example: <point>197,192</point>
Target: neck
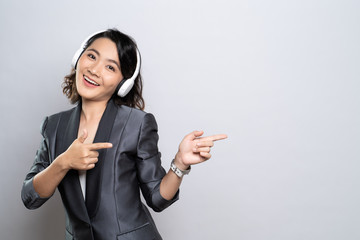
<point>92,110</point>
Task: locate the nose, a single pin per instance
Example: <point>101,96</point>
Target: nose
<point>94,69</point>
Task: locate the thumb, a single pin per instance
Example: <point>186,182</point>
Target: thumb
<point>195,134</point>
<point>83,136</point>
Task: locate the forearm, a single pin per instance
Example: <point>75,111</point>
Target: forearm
<point>46,181</point>
<point>169,185</point>
<point>171,182</point>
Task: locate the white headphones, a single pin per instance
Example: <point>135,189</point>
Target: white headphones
<point>125,84</point>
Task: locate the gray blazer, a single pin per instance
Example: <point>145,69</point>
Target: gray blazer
<point>113,209</point>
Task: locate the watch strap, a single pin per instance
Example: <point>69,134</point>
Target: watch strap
<point>177,170</point>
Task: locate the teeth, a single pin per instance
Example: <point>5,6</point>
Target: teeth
<point>91,81</point>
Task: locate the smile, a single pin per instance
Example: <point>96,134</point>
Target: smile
<point>91,81</point>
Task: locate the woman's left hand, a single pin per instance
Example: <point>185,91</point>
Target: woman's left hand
<point>195,149</point>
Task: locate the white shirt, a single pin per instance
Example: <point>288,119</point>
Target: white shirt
<point>82,179</point>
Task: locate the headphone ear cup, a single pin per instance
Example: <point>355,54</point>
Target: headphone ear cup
<point>129,83</point>
<point>76,57</point>
<point>125,87</point>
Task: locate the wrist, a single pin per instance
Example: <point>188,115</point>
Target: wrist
<point>180,173</point>
<point>60,162</point>
<point>179,163</point>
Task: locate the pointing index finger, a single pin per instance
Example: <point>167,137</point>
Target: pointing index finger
<point>101,145</point>
<point>214,137</point>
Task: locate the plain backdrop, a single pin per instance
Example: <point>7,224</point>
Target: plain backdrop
<point>280,77</point>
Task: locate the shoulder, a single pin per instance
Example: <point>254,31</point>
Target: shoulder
<point>57,116</point>
<point>51,122</point>
<point>137,116</point>
<point>134,112</point>
<point>130,110</point>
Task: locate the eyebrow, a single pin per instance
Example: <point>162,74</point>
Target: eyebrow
<point>110,60</point>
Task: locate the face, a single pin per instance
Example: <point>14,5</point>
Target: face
<point>98,71</point>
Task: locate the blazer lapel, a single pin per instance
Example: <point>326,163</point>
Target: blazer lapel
<point>94,176</point>
<point>70,185</point>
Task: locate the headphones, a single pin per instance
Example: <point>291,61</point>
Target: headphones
<point>126,84</point>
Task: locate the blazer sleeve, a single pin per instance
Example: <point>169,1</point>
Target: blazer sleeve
<point>30,197</point>
<point>150,171</point>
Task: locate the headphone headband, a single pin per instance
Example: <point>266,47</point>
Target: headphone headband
<point>81,49</point>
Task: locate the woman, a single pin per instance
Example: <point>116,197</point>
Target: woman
<point>101,152</point>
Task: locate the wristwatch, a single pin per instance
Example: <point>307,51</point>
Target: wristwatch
<point>178,171</point>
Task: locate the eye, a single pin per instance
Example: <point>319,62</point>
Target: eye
<point>111,68</point>
<point>90,55</point>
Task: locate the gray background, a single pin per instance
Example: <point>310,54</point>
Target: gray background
<point>281,78</point>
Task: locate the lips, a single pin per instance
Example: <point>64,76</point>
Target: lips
<point>90,81</point>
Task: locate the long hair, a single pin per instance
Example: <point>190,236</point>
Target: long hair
<point>126,48</point>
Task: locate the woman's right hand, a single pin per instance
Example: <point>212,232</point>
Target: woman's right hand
<point>80,155</point>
